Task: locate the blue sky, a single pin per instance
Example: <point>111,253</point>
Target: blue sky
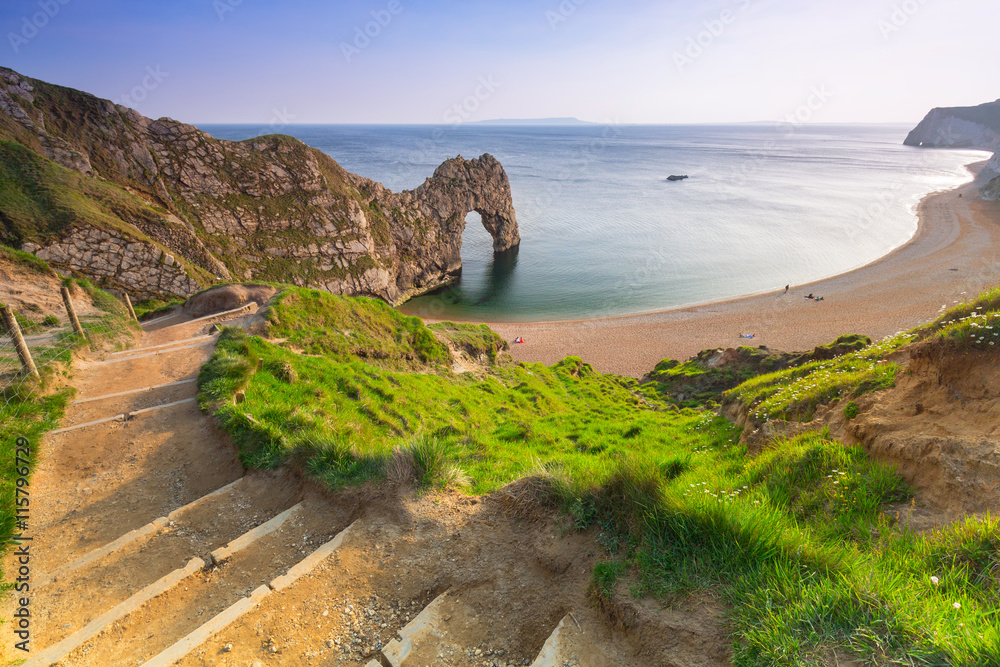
<point>427,61</point>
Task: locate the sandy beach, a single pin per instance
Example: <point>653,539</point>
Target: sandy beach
<point>955,253</point>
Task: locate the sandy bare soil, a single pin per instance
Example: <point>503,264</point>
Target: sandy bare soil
<point>955,253</point>
<point>509,582</point>
<point>512,571</point>
<point>38,295</point>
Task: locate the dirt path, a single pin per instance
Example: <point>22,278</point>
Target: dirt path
<point>146,533</point>
<point>95,483</point>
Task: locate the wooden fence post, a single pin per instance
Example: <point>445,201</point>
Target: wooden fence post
<point>10,324</point>
<point>128,304</point>
<point>72,313</point>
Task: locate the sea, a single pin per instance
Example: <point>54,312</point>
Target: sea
<point>604,233</point>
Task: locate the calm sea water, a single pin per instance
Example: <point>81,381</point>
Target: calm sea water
<point>603,233</point>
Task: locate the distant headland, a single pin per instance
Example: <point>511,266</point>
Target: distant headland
<point>532,121</point>
<point>975,127</point>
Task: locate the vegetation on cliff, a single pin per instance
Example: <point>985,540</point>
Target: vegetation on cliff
<point>802,540</point>
<point>28,407</point>
<point>267,208</point>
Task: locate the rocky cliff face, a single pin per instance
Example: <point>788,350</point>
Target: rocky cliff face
<point>964,127</point>
<point>991,191</point>
<point>994,164</point>
<point>959,127</point>
<point>190,209</point>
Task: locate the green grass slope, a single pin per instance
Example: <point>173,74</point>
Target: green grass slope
<point>40,200</point>
<point>794,393</point>
<point>801,541</point>
<point>29,408</point>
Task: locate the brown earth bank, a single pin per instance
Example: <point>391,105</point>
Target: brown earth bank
<point>954,255</point>
<point>510,580</point>
<point>35,294</point>
<point>512,569</point>
<point>939,426</point>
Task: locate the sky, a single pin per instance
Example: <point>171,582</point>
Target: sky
<point>451,61</point>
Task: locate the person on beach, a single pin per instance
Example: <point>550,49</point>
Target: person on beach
<point>786,289</point>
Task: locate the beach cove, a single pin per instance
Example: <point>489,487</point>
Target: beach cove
<point>954,254</point>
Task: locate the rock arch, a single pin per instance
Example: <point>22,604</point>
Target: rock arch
<point>460,186</point>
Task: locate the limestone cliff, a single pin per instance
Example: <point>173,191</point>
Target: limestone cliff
<point>991,191</point>
<point>964,127</point>
<point>959,127</point>
<point>159,207</point>
<point>993,165</point>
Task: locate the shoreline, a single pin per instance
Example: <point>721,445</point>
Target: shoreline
<point>954,253</point>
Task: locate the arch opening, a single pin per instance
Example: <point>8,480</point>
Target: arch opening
<point>477,242</point>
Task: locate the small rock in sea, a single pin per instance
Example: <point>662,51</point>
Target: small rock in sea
<point>674,177</point>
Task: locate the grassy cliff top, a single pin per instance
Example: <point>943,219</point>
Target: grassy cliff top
<point>801,541</point>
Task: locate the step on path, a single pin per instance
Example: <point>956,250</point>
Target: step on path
<point>440,635</point>
<point>387,597</point>
<point>210,568</point>
<point>196,530</point>
<point>144,563</point>
<point>179,610</point>
<point>103,481</point>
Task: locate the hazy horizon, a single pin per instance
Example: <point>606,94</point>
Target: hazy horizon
<point>443,62</point>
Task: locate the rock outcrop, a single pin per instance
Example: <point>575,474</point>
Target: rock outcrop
<point>959,127</point>
<point>994,164</point>
<point>102,255</point>
<point>964,127</point>
<point>991,191</point>
<point>268,208</point>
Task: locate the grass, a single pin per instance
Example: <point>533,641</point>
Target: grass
<point>343,328</point>
<point>477,340</point>
<point>970,324</point>
<point>801,541</point>
<point>703,380</point>
<point>29,408</point>
<point>696,382</point>
<point>794,393</point>
<point>40,199</point>
<point>150,308</point>
<point>26,260</point>
<point>563,417</point>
